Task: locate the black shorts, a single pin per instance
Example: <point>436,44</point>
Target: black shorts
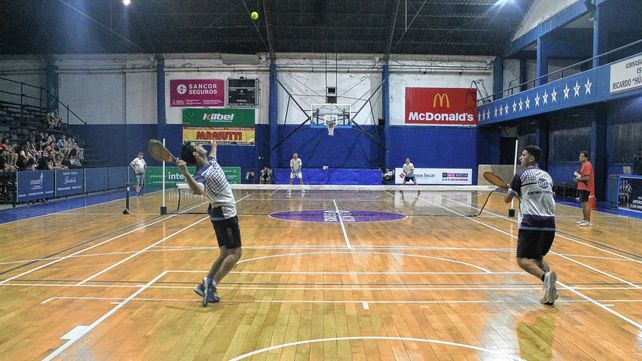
<point>534,244</point>
<point>227,230</point>
<point>409,178</point>
<point>584,195</point>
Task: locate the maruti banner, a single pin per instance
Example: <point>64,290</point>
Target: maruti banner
<point>69,182</point>
<point>239,136</point>
<point>197,92</point>
<point>442,176</point>
<point>441,106</point>
<point>34,185</point>
<point>218,117</point>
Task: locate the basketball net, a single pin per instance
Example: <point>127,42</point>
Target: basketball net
<point>330,123</point>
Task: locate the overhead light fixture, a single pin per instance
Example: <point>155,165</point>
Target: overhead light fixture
<point>127,2</point>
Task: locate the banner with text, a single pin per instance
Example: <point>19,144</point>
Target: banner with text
<point>438,176</point>
<point>239,136</point>
<point>70,182</point>
<point>630,193</point>
<point>154,176</point>
<point>441,106</point>
<point>218,117</point>
<point>35,185</point>
<point>626,74</point>
<point>197,92</point>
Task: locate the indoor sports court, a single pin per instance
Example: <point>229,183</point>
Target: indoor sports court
<point>321,180</point>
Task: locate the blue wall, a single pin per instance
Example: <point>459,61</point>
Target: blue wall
<point>428,147</point>
<point>434,147</point>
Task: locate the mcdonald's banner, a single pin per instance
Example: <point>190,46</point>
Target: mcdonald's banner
<point>441,106</point>
<point>218,117</point>
<point>238,136</point>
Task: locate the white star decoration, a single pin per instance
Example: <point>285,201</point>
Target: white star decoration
<point>488,114</point>
<point>545,97</point>
<point>528,103</point>
<point>506,109</point>
<point>588,86</point>
<point>576,89</point>
<point>566,90</point>
<point>554,96</point>
<point>536,99</point>
<point>501,110</point>
<point>514,106</point>
<point>520,104</point>
<point>495,111</point>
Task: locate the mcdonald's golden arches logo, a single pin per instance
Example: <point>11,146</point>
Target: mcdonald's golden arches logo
<point>441,97</point>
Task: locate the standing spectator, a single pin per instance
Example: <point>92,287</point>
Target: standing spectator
<point>139,166</point>
<point>409,171</point>
<point>585,179</point>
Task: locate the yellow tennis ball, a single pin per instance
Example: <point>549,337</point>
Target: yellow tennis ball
<point>254,16</point>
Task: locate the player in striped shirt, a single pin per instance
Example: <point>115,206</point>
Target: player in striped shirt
<point>209,180</point>
<point>534,188</point>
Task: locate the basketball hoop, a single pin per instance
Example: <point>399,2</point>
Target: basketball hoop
<point>330,123</point>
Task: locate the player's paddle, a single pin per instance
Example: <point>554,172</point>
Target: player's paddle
<point>495,180</point>
<point>498,182</point>
<point>158,151</point>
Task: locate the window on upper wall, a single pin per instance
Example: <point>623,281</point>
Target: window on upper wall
<point>567,140</point>
<point>627,140</point>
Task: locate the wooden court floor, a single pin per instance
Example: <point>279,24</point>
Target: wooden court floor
<point>94,284</point>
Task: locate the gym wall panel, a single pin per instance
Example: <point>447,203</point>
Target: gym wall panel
<point>140,98</point>
<point>98,98</point>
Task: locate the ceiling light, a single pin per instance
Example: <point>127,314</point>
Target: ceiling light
<point>127,2</point>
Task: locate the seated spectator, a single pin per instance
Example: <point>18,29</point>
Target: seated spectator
<point>30,165</point>
<point>266,175</point>
<point>73,162</point>
<point>62,142</point>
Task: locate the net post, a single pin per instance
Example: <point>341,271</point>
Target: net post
<point>511,210</point>
<point>163,208</point>
<point>126,210</point>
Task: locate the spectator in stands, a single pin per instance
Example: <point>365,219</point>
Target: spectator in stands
<point>637,163</point>
<point>73,162</point>
<point>45,163</point>
<point>62,142</point>
<point>53,120</point>
<point>9,153</point>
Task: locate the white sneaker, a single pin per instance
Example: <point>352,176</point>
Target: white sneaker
<point>586,224</point>
<point>580,221</point>
<point>550,290</point>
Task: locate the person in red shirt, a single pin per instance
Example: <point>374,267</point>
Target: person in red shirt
<point>585,179</point>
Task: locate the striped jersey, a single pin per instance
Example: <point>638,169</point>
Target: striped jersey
<point>534,187</point>
<point>216,187</point>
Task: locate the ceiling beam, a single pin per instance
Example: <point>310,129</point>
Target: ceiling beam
<point>391,32</point>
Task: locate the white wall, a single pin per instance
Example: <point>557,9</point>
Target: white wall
<point>435,72</point>
<point>540,11</point>
<point>121,88</point>
<point>201,66</point>
<point>26,70</point>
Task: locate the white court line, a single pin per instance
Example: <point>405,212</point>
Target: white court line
<point>107,269</point>
<point>88,248</point>
<point>364,252</point>
<point>501,231</point>
<point>365,303</point>
<point>603,306</point>
<point>86,329</point>
<point>557,235</point>
<point>343,227</point>
<point>509,234</point>
<point>496,353</point>
<point>322,287</point>
<point>148,247</point>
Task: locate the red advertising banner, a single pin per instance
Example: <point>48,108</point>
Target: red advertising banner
<point>197,92</point>
<point>441,106</point>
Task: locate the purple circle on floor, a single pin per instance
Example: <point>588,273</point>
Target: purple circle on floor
<point>347,216</point>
